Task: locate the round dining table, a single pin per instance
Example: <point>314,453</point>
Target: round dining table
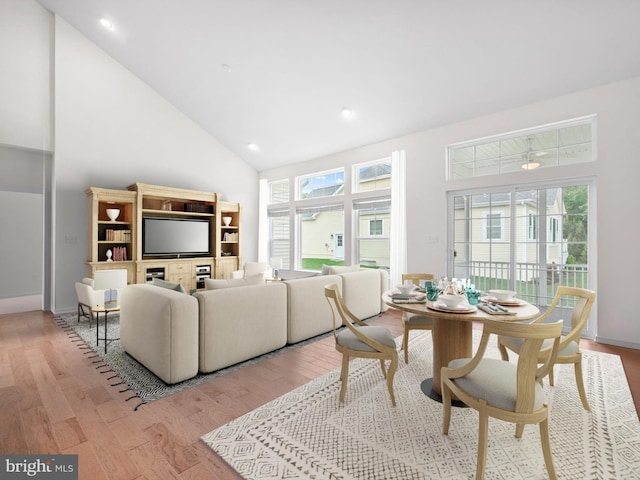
<point>453,332</point>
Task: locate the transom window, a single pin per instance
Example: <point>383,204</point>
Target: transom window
<point>374,175</point>
<point>319,185</point>
<point>279,191</point>
<point>547,146</point>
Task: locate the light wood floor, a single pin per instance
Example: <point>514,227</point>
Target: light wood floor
<point>53,400</point>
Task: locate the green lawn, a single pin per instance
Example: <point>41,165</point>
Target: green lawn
<point>316,263</point>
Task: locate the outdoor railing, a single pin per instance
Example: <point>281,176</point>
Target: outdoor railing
<point>532,283</point>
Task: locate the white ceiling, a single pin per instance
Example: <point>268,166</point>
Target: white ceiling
<point>401,65</point>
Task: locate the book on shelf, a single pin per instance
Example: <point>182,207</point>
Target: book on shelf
<point>111,235</point>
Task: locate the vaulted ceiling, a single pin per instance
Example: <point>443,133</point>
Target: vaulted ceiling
<point>277,74</point>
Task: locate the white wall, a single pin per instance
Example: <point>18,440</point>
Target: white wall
<point>25,96</point>
<point>112,130</point>
<point>616,172</point>
<point>21,216</point>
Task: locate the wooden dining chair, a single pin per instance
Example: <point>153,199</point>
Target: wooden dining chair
<point>414,321</point>
<point>360,340</point>
<point>504,390</point>
<point>569,349</point>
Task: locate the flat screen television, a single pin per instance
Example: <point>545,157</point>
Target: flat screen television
<point>175,237</point>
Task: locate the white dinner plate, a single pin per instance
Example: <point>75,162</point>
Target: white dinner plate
<point>512,302</point>
<point>441,307</point>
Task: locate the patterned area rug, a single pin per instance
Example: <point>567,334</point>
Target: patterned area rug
<point>127,374</point>
<point>308,434</point>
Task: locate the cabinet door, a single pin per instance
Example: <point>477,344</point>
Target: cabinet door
<point>224,267</point>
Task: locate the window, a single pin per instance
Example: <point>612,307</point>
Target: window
<point>320,236</point>
<point>279,232</point>
<point>372,175</point>
<point>375,227</point>
<point>309,228</point>
<point>493,226</point>
<point>532,227</point>
<point>372,223</point>
<point>318,185</point>
<point>279,192</point>
<point>553,230</point>
<point>541,147</point>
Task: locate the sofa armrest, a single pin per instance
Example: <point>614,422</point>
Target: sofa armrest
<point>159,328</point>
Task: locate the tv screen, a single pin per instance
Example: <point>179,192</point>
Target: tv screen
<point>171,236</point>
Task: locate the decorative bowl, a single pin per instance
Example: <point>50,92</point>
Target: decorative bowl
<point>502,295</point>
<point>451,300</point>
<point>405,289</point>
<point>113,213</point>
<point>227,221</point>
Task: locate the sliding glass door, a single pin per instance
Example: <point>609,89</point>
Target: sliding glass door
<point>524,238</point>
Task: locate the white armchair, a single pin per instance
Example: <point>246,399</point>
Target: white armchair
<point>253,268</point>
<point>90,291</point>
<point>88,298</point>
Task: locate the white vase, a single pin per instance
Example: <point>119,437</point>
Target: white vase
<point>227,221</point>
<point>113,213</point>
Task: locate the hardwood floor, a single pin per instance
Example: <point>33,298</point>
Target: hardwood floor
<point>54,400</point>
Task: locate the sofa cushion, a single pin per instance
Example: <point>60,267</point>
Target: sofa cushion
<point>308,312</point>
<point>338,269</point>
<point>158,282</point>
<point>214,284</point>
<point>240,323</point>
<point>362,291</point>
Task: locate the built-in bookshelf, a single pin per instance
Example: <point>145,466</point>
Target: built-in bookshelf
<point>118,242</point>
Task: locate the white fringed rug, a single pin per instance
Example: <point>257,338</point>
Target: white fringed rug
<point>307,433</point>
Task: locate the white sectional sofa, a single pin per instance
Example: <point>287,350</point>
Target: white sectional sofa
<point>176,335</point>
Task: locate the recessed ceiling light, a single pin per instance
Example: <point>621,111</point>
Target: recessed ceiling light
<point>226,67</point>
<point>347,112</point>
<point>252,146</point>
<point>106,23</point>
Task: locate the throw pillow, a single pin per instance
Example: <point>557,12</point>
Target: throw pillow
<point>215,284</point>
<point>325,269</point>
<point>170,285</point>
<point>337,269</point>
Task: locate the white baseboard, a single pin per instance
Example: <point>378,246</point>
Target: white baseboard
<point>28,303</point>
<point>617,343</point>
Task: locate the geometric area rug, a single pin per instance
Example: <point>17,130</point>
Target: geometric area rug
<point>307,433</point>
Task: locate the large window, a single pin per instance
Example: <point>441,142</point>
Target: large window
<point>330,222</point>
<point>543,147</point>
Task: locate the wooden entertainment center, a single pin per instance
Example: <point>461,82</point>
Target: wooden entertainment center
<point>116,244</point>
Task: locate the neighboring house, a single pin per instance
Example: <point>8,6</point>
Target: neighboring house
<point>486,233</point>
<point>323,232</point>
